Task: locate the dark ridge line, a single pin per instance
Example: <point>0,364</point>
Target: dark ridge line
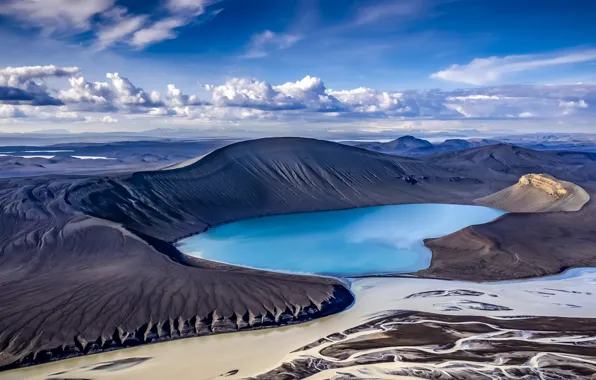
<point>178,328</point>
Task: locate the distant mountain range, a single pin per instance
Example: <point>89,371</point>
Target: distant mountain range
<point>411,146</point>
<point>415,147</point>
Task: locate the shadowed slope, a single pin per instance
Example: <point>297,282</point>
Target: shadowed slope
<point>74,284</point>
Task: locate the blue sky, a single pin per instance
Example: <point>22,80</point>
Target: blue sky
<point>495,50</point>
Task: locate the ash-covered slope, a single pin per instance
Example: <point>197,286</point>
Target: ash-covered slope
<point>72,284</point>
<point>265,177</point>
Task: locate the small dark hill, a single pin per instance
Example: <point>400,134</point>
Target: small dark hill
<point>400,145</point>
<point>455,144</point>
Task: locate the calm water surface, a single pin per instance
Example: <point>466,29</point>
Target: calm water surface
<point>374,240</point>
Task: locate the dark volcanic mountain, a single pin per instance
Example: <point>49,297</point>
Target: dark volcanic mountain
<point>89,264</point>
<point>262,177</point>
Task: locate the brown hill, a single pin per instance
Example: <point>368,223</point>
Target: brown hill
<point>538,193</point>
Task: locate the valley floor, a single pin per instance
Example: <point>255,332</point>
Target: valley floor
<point>398,328</point>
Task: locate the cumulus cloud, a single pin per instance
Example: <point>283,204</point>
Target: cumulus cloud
<point>367,100</point>
<point>81,91</point>
<point>12,94</point>
<point>15,76</point>
<point>308,99</point>
<point>489,70</point>
<point>128,94</point>
<point>178,99</point>
<point>109,119</point>
<point>308,93</point>
<point>26,84</point>
<point>117,94</point>
<point>250,93</point>
<point>8,111</point>
<point>262,44</point>
<point>312,93</point>
<point>571,107</point>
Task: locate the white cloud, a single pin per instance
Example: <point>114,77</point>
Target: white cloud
<point>307,93</point>
<point>368,100</point>
<point>30,80</point>
<point>158,31</point>
<point>128,94</point>
<point>543,101</point>
<point>81,91</point>
<point>183,13</point>
<point>67,114</point>
<point>246,92</point>
<point>102,23</point>
<point>571,104</point>
<point>20,76</point>
<point>571,107</point>
<point>158,111</point>
<point>178,99</point>
<point>108,119</point>
<point>390,10</point>
<point>488,70</point>
<point>55,15</point>
<point>8,111</point>
<point>262,44</point>
<point>188,5</point>
<point>117,94</point>
<point>307,100</point>
<point>118,26</point>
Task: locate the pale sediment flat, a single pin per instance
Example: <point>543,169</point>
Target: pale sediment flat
<point>422,321</point>
<point>88,264</point>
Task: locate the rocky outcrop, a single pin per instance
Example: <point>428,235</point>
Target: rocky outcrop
<point>538,193</point>
<point>546,183</point>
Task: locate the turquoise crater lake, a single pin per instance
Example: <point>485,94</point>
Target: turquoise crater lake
<point>372,240</point>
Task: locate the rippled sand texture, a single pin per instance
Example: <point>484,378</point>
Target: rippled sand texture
<point>397,327</point>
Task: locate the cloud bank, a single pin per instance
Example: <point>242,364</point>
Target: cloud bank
<point>24,95</point>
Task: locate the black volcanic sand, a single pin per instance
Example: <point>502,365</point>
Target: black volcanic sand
<point>436,346</point>
<point>88,264</point>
